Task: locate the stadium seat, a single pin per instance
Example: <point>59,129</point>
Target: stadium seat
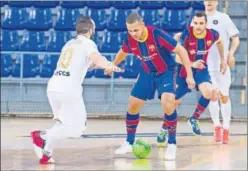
<point>33,41</point>
<point>177,4</point>
<point>20,3</point>
<point>90,73</point>
<point>2,3</point>
<point>49,65</point>
<point>99,4</point>
<point>97,39</point>
<point>125,4</point>
<point>151,4</point>
<point>73,4</point>
<point>174,20</point>
<point>99,17</point>
<point>14,18</point>
<point>192,13</point>
<point>112,42</point>
<point>6,65</point>
<point>199,5</point>
<point>57,40</point>
<point>39,19</point>
<point>117,20</point>
<point>99,73</point>
<point>151,17</point>
<point>31,66</point>
<point>66,19</point>
<point>132,67</point>
<point>10,40</point>
<point>45,4</point>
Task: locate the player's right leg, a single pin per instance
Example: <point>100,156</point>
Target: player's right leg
<point>142,90</point>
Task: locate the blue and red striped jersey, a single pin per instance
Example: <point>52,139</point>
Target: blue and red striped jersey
<point>197,47</point>
<point>154,52</point>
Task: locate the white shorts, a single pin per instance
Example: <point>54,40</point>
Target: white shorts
<point>221,81</point>
<point>69,110</point>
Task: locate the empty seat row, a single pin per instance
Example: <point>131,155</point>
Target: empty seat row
<point>107,4</point>
<point>33,67</point>
<point>41,19</point>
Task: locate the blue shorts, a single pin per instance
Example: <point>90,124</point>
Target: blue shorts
<point>148,83</point>
<point>199,77</point>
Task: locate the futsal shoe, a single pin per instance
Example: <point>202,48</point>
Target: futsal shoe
<point>194,124</point>
<point>225,138</point>
<point>124,148</point>
<point>217,133</point>
<point>171,151</point>
<point>39,145</point>
<point>161,138</point>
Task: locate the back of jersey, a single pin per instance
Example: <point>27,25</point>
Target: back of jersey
<point>72,66</point>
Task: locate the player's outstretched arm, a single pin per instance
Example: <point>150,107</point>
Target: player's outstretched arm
<point>101,61</point>
<point>220,47</point>
<point>181,51</point>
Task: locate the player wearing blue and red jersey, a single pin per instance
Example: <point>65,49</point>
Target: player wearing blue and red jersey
<point>153,47</point>
<point>197,40</point>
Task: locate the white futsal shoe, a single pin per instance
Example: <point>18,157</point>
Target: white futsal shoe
<point>124,148</point>
<point>171,151</point>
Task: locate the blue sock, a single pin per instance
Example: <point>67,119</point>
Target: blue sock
<point>170,121</point>
<point>200,108</point>
<point>132,122</point>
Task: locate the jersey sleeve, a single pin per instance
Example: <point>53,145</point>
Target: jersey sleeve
<point>230,27</point>
<point>91,48</point>
<point>216,35</point>
<point>165,40</point>
<point>125,46</point>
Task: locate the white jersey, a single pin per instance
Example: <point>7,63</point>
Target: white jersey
<point>72,66</point>
<point>222,23</point>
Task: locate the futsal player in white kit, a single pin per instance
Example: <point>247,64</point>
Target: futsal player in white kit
<point>227,30</point>
<point>64,89</point>
<point>222,23</point>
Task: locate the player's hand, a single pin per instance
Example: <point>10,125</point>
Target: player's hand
<point>191,82</point>
<point>114,68</point>
<point>223,66</point>
<point>108,72</point>
<point>230,59</point>
<point>177,36</point>
<point>199,64</point>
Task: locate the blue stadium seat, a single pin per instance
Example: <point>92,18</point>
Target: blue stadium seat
<point>73,4</point>
<point>99,17</point>
<point>151,17</point>
<point>45,4</point>
<point>177,4</point>
<point>39,19</point>
<point>97,39</point>
<point>90,73</point>
<point>125,4</point>
<point>57,40</point>
<point>33,41</point>
<point>20,3</point>
<point>99,4</point>
<point>112,42</point>
<point>198,5</point>
<point>174,20</point>
<point>49,65</point>
<point>2,3</point>
<point>6,65</point>
<point>9,39</point>
<point>31,66</point>
<point>67,19</point>
<point>151,4</point>
<point>132,67</point>
<point>14,18</point>
<point>99,73</point>
<point>117,21</point>
<point>192,13</point>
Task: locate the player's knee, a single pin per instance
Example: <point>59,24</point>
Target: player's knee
<point>207,94</point>
<point>224,99</point>
<point>215,95</point>
<point>133,107</point>
<point>168,108</point>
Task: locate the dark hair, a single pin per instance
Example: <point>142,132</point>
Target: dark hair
<point>133,17</point>
<point>84,24</point>
<point>201,14</point>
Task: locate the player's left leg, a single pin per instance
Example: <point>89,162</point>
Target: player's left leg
<point>225,101</point>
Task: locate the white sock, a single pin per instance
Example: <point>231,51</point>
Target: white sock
<point>226,114</point>
<point>214,110</point>
<point>60,131</point>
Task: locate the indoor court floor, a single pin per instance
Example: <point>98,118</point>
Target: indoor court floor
<point>95,150</point>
